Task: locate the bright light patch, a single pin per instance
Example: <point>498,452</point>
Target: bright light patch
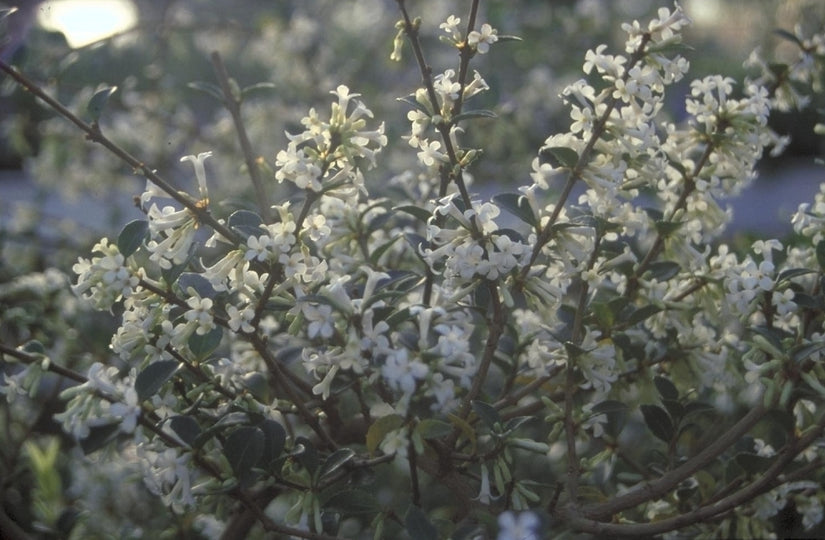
<point>87,21</point>
<point>704,12</point>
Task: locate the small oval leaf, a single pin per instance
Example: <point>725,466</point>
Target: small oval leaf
<point>153,376</point>
<point>98,102</point>
<point>243,449</point>
<point>132,236</point>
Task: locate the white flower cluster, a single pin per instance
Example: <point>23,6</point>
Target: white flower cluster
<point>324,154</point>
<point>105,279</point>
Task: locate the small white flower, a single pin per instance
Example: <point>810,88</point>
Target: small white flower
<point>481,41</point>
<point>200,172</point>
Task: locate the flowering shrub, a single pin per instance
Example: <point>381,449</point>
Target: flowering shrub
<point>416,359</point>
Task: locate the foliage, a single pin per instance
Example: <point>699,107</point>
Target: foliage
<point>370,354</point>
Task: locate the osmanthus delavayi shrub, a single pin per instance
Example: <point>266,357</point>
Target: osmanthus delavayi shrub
<point>579,355</point>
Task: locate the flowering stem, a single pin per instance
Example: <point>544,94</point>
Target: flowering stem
<point>575,174</point>
<point>233,105</point>
<point>465,53</point>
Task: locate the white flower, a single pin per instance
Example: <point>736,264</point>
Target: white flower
<point>127,410</point>
<point>451,27</point>
<point>200,172</point>
<point>523,526</point>
<point>482,40</point>
<point>200,313</point>
<point>105,279</point>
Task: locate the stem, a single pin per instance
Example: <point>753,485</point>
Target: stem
<point>233,105</point>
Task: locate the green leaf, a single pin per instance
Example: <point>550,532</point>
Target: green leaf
<point>474,114</point>
<point>563,156</point>
<point>417,212</point>
<point>257,384</point>
<point>34,347</point>
<point>488,414</point>
<point>199,284</point>
<point>791,273</point>
<point>186,428</point>
<point>665,388</point>
<point>98,102</point>
<point>353,501</point>
<point>697,407</point>
<point>430,428</point>
<point>674,408</point>
<point>642,314</point>
<point>666,228</point>
<point>243,449</point>
<point>257,87</point>
<point>153,376</point>
<point>616,412</point>
<point>803,352</point>
<point>663,270</point>
<point>99,436</point>
<point>132,236</point>
<point>658,422</point>
<point>380,428</point>
<point>507,37</point>
<point>274,441</point>
<point>411,101</point>
<point>784,34</point>
<point>397,318</point>
<point>204,345</point>
<point>246,223</point>
<point>418,525</point>
<point>335,461</point>
<point>376,255</point>
<point>516,204</point>
<point>820,254</point>
<point>207,88</point>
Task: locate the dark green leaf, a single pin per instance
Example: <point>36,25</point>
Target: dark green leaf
<point>488,414</point>
<point>430,428</point>
<point>274,441</point>
<point>197,283</point>
<point>34,347</point>
<point>563,156</point>
<point>820,254</point>
<point>642,314</point>
<point>665,388</point>
<point>151,379</point>
<point>801,353</point>
<point>663,270</point>
<point>207,88</point>
<point>352,502</point>
<point>674,408</point>
<point>376,255</point>
<point>516,204</point>
<point>256,384</point>
<point>658,422</point>
<point>410,100</point>
<point>243,449</point>
<point>246,223</point>
<point>186,428</point>
<point>792,273</point>
<point>98,102</point>
<point>666,228</point>
<point>773,335</point>
<point>788,35</point>
<point>807,301</point>
<point>616,412</point>
<point>397,318</point>
<point>474,114</point>
<point>132,236</point>
<point>204,345</point>
<point>753,463</point>
<point>99,436</point>
<point>335,461</point>
<point>418,526</point>
<point>417,212</point>
<point>696,407</point>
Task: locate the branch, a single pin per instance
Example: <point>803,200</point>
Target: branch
<point>94,134</point>
<point>233,105</point>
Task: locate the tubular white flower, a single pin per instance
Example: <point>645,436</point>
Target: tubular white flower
<point>200,172</point>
